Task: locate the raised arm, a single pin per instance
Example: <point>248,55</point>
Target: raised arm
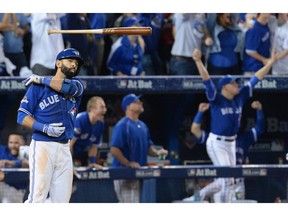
<point>70,87</point>
<point>5,24</point>
<point>196,125</point>
<point>201,68</point>
<point>260,119</point>
<point>266,68</point>
<point>208,83</point>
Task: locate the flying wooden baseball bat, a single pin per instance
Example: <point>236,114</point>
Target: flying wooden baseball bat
<point>107,31</point>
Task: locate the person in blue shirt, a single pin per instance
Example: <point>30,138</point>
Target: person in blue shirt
<point>130,145</point>
<point>152,64</point>
<point>225,52</point>
<point>257,45</point>
<point>243,142</point>
<point>88,132</point>
<point>11,157</point>
<point>226,105</point>
<point>126,54</point>
<point>9,154</point>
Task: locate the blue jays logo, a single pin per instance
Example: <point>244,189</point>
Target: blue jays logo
<point>73,112</point>
<point>93,138</point>
<point>24,100</point>
<point>199,26</point>
<point>72,99</point>
<point>76,53</point>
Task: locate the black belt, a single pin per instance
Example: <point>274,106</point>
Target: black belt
<point>63,141</point>
<point>183,57</point>
<point>226,140</point>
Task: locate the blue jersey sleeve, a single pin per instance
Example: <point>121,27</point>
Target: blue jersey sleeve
<point>119,136</point>
<point>211,90</point>
<point>77,127</point>
<point>247,90</point>
<point>249,137</point>
<point>253,81</point>
<point>29,102</point>
<point>113,64</point>
<point>260,123</point>
<point>72,87</point>
<point>203,138</point>
<point>243,141</point>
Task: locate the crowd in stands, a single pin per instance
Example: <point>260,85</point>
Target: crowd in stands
<point>232,43</point>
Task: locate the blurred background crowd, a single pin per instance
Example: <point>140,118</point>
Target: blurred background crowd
<point>234,43</point>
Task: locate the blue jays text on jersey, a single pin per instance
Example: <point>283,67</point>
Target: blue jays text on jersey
<point>48,106</point>
<point>225,113</point>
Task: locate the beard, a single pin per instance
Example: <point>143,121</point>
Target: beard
<point>68,72</point>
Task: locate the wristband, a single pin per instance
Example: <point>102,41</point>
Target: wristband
<point>198,117</point>
<point>46,81</point>
<point>38,126</point>
<point>92,159</point>
<point>254,80</point>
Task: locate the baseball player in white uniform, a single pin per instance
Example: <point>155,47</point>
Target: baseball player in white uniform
<point>243,141</point>
<point>49,107</point>
<point>226,109</point>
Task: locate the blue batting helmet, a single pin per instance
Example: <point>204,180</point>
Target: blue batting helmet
<point>70,53</point>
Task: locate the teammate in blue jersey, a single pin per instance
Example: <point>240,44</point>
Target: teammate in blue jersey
<point>88,132</point>
<point>130,145</point>
<point>49,107</point>
<point>226,109</point>
<point>11,157</point>
<point>243,141</point>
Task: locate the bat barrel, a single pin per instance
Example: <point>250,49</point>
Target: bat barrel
<point>128,31</point>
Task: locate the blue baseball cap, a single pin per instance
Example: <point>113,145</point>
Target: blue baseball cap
<point>226,80</point>
<point>130,21</point>
<point>128,99</point>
